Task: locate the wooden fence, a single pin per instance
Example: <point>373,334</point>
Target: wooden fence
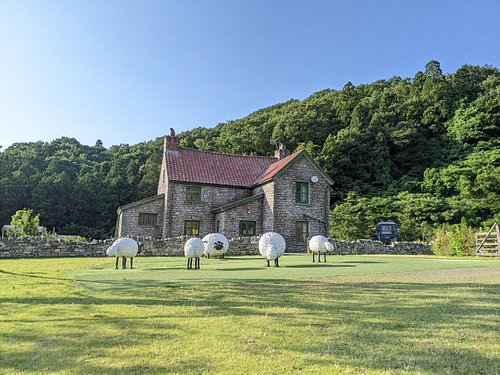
<point>488,243</point>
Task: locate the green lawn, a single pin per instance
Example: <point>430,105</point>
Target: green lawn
<point>354,315</point>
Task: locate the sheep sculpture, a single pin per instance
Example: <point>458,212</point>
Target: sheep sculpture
<point>216,244</point>
<point>125,248</point>
<point>320,245</point>
<point>271,246</point>
<point>193,249</point>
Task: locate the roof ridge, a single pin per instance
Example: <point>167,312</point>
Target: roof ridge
<point>224,154</point>
<point>283,161</point>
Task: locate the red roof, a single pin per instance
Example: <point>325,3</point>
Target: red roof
<point>274,168</point>
<point>190,165</point>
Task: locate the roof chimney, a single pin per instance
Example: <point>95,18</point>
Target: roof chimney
<point>281,152</point>
<point>171,141</point>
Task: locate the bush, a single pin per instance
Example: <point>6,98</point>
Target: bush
<point>454,240</point>
<point>25,223</point>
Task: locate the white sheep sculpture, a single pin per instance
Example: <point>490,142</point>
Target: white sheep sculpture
<point>216,244</point>
<point>125,248</point>
<point>193,249</point>
<point>320,245</point>
<point>271,246</point>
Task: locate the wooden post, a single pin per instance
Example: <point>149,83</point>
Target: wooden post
<point>498,239</point>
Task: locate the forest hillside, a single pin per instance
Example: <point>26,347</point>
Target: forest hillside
<point>422,151</point>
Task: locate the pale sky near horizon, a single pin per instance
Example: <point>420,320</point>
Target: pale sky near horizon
<point>127,71</point>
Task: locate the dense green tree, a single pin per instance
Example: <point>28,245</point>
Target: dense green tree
<point>479,121</point>
<point>423,151</point>
<point>25,223</point>
<point>359,160</point>
<point>433,69</point>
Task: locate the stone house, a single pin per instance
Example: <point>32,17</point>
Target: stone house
<point>201,192</point>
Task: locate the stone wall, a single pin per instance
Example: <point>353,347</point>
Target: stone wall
<point>179,210</point>
<point>287,211</point>
<point>267,205</point>
<point>175,246</point>
<point>128,219</point>
<point>229,220</point>
<point>34,247</point>
<point>376,247</point>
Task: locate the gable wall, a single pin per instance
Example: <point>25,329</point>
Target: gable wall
<point>287,212</point>
<point>128,220</point>
<point>230,219</point>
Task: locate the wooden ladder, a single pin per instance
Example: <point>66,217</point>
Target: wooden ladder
<point>488,243</point>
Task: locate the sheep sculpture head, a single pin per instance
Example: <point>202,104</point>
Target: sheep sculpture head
<point>216,244</point>
<point>320,245</point>
<point>272,246</point>
<point>125,248</point>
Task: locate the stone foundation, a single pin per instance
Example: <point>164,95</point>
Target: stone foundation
<point>36,247</point>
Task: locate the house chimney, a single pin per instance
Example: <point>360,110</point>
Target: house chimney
<point>171,141</point>
<point>281,152</point>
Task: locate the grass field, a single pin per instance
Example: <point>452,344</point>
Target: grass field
<point>352,315</point>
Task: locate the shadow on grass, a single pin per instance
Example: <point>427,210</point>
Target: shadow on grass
<point>316,265</point>
<point>243,269</point>
<point>259,293</point>
<point>97,360</point>
<point>34,275</point>
<point>383,326</point>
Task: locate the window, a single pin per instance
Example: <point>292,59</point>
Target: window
<point>247,228</point>
<point>147,219</point>
<point>193,193</point>
<point>301,231</point>
<point>302,193</point>
<point>191,228</point>
<point>387,229</point>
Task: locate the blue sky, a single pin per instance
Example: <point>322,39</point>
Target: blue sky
<point>127,71</point>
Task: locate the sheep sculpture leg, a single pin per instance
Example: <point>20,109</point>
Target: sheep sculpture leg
<point>267,263</point>
<point>189,265</point>
<point>116,263</point>
<point>313,257</point>
<point>276,262</point>
<point>131,260</point>
<point>124,263</point>
<point>325,257</point>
